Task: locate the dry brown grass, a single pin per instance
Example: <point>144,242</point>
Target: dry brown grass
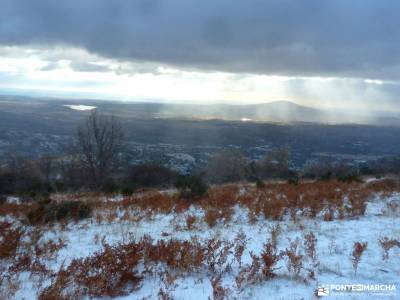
<point>384,186</point>
<point>275,200</point>
<point>49,249</point>
<point>250,274</point>
<point>240,245</point>
<point>326,199</point>
<point>190,221</point>
<point>106,273</point>
<point>358,250</point>
<point>219,292</point>
<point>294,262</point>
<point>177,255</point>
<point>310,243</point>
<point>163,295</point>
<point>270,257</point>
<point>388,244</point>
<point>115,270</point>
<point>14,209</point>
<point>10,237</point>
<point>212,216</point>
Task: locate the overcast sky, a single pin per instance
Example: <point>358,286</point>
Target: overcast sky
<point>322,52</point>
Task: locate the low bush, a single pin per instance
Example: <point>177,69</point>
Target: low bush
<point>358,250</point>
<point>251,273</point>
<point>48,211</point>
<point>212,216</point>
<point>110,187</point>
<point>150,175</point>
<point>328,175</point>
<point>190,220</point>
<point>294,180</point>
<point>128,190</point>
<point>349,178</point>
<point>270,257</point>
<point>260,184</point>
<point>388,244</point>
<point>294,261</point>
<point>9,239</point>
<point>106,273</point>
<point>191,187</point>
<point>219,292</point>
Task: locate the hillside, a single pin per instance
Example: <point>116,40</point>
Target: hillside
<point>278,111</point>
<point>34,127</point>
<point>280,241</point>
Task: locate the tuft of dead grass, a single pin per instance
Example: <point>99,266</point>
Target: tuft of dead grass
<point>10,238</point>
<point>388,244</point>
<point>358,250</point>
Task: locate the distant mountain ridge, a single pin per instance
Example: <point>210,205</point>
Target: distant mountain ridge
<point>281,111</point>
<point>277,111</point>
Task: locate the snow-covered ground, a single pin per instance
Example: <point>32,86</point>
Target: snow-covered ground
<point>333,264</point>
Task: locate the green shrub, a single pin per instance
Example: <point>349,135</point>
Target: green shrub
<point>260,184</point>
<point>326,176</point>
<point>128,190</point>
<point>349,178</point>
<point>294,180</point>
<point>110,187</point>
<point>151,175</point>
<point>191,187</point>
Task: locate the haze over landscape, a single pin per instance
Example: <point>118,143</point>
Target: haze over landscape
<point>314,53</point>
<point>215,149</point>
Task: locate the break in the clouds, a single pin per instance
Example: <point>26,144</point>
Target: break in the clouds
<point>256,50</point>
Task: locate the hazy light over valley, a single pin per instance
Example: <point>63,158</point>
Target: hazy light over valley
<point>330,54</point>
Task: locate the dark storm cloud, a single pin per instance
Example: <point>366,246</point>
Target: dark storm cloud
<point>358,38</point>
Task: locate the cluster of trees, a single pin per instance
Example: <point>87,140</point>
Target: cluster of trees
<point>22,175</point>
<point>233,165</point>
<point>89,162</point>
<point>94,162</point>
<point>327,169</point>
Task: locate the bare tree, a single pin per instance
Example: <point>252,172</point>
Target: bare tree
<point>100,140</point>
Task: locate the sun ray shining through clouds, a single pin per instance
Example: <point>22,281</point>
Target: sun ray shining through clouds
<point>77,73</point>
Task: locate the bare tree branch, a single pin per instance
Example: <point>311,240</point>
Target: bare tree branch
<point>100,140</point>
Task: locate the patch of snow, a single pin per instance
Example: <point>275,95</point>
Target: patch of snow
<point>14,200</point>
<point>80,107</point>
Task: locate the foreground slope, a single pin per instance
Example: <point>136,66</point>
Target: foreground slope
<point>280,241</point>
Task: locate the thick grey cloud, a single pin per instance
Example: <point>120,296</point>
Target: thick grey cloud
<point>358,38</point>
<point>88,67</point>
